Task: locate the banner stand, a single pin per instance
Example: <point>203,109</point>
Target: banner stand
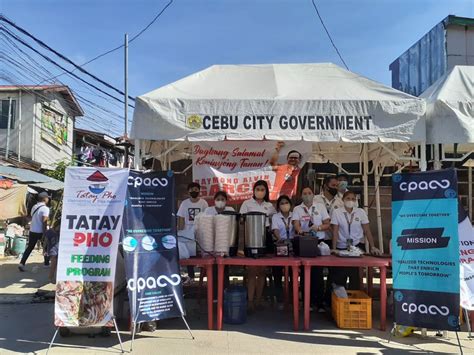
<point>134,331</point>
<point>116,330</point>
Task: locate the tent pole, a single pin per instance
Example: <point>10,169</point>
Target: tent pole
<point>377,205</point>
<point>365,177</point>
<point>437,162</point>
<point>469,180</point>
<point>423,165</point>
<point>138,155</point>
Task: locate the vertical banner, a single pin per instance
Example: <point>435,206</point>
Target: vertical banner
<point>91,223</point>
<point>150,248</point>
<point>425,249</point>
<point>234,166</point>
<point>466,251</point>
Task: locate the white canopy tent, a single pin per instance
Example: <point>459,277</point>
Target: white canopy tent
<point>450,117</point>
<point>349,118</point>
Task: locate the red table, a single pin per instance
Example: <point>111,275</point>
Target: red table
<point>335,261</point>
<point>263,262</point>
<point>207,263</point>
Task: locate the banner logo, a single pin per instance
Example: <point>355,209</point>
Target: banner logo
<point>422,238</point>
<point>424,309</point>
<point>149,243</point>
<point>100,182</point>
<point>138,181</point>
<point>152,283</point>
<point>424,185</point>
<point>194,122</point>
<point>129,244</point>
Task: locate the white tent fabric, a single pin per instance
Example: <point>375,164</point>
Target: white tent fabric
<point>312,102</point>
<point>450,107</point>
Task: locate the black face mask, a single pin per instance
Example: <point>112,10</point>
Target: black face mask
<point>194,194</point>
<point>332,191</point>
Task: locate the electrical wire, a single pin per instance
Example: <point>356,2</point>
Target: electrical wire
<point>63,57</point>
<point>130,41</point>
<point>18,39</point>
<point>329,35</point>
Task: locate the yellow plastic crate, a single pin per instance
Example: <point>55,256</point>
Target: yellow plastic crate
<point>354,312</point>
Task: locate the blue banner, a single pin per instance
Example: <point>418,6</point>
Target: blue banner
<point>425,249</point>
<point>150,248</point>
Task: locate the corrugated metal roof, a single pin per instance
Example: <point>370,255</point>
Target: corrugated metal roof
<point>31,178</point>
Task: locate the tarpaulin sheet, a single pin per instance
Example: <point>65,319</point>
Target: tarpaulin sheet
<point>13,202</point>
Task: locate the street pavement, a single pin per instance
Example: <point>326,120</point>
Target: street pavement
<point>27,328</point>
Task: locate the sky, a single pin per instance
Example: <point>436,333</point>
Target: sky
<point>194,34</point>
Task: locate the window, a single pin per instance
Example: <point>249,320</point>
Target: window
<point>4,114</point>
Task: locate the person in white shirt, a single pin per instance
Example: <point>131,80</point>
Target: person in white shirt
<point>312,218</point>
<point>220,201</point>
<point>283,231</point>
<point>188,210</point>
<point>343,186</point>
<point>39,223</point>
<point>350,226</point>
<point>256,275</point>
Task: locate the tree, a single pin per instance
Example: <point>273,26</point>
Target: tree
<point>60,170</point>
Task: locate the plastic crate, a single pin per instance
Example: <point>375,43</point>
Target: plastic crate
<point>354,312</point>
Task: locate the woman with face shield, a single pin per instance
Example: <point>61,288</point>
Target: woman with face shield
<point>350,228</point>
<point>256,275</point>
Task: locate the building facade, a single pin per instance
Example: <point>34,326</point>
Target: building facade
<point>449,43</point>
<point>37,123</point>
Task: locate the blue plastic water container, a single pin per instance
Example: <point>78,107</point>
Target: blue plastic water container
<point>235,305</point>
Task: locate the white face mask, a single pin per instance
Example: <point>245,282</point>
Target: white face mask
<point>220,204</point>
<point>349,204</point>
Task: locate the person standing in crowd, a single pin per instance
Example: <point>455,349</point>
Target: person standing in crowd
<point>328,196</point>
<point>350,226</point>
<point>220,204</point>
<point>260,202</point>
<point>312,218</point>
<point>52,247</point>
<point>187,212</point>
<point>343,186</point>
<point>39,222</point>
<point>283,230</point>
<point>286,175</point>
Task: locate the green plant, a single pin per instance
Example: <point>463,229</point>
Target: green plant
<point>60,170</point>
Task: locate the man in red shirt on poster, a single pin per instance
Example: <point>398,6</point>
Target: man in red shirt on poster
<point>286,178</point>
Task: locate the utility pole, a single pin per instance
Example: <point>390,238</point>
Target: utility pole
<point>9,126</point>
<point>126,100</point>
<point>19,127</point>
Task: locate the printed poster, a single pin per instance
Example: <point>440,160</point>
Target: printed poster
<point>466,251</point>
<point>425,249</point>
<point>91,223</point>
<point>234,166</point>
<point>150,248</point>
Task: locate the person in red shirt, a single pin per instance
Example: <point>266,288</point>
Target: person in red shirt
<point>286,179</point>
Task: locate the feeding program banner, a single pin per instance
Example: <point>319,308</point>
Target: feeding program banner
<point>466,251</point>
<point>91,223</point>
<point>234,166</point>
<point>150,248</point>
<point>425,249</point>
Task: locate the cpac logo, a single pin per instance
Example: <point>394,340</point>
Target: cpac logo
<point>138,181</point>
<point>424,309</point>
<point>424,185</point>
<point>152,283</point>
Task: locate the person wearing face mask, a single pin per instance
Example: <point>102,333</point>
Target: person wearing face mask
<point>328,196</point>
<point>312,218</point>
<point>220,201</point>
<point>283,230</point>
<point>256,275</point>
<point>187,212</point>
<point>343,186</point>
<point>350,226</point>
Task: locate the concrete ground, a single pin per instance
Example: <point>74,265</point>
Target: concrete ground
<point>27,328</point>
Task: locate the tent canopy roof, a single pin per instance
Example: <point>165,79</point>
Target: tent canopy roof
<point>316,95</point>
<point>450,107</point>
<point>321,81</point>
